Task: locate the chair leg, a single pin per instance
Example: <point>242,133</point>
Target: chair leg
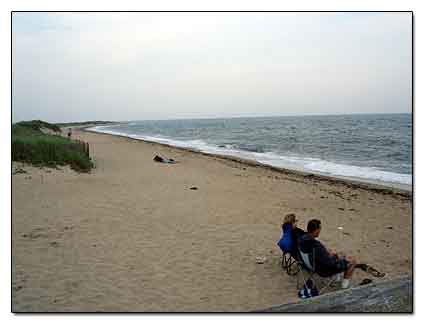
<point>283,261</point>
<point>286,261</point>
<point>288,264</point>
<point>327,284</point>
<point>293,268</point>
<point>297,280</point>
<point>301,275</point>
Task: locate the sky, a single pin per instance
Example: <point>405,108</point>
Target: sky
<point>133,66</point>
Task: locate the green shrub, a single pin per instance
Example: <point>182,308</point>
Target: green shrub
<point>31,145</point>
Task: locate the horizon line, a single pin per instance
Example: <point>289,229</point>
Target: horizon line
<point>220,117</point>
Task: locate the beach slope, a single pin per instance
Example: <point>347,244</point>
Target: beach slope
<point>136,235</point>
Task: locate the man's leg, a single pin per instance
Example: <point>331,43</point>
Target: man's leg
<point>349,272</point>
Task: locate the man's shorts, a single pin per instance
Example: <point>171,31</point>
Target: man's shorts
<point>340,267</point>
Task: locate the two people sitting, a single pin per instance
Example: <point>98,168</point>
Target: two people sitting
<point>324,262</point>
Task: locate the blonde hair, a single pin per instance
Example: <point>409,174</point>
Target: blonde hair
<point>289,219</point>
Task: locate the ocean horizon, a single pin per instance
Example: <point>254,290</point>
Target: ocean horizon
<point>374,148</point>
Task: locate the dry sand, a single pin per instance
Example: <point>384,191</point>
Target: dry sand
<point>132,236</point>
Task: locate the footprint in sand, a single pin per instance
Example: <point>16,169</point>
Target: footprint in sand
<point>41,232</point>
<point>36,233</point>
<point>18,285</point>
<point>17,288</point>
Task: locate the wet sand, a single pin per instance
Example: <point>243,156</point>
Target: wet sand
<point>132,236</point>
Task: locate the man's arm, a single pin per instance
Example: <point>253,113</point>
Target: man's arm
<point>323,257</point>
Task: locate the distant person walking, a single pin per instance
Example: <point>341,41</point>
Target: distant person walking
<point>69,133</point>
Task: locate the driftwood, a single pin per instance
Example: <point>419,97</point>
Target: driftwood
<point>387,296</point>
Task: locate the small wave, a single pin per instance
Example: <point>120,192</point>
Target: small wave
<point>253,149</point>
<point>358,172</point>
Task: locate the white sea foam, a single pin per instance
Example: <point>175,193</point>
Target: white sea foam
<point>306,164</point>
<point>358,172</point>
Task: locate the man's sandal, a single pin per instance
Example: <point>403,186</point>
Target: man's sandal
<point>365,281</point>
<point>369,269</point>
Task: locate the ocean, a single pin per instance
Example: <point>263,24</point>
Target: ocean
<point>374,148</point>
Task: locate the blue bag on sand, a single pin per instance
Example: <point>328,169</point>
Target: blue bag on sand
<point>309,290</point>
<point>286,241</point>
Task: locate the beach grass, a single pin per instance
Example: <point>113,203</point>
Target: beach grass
<point>31,145</point>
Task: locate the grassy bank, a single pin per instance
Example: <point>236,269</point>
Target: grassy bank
<point>32,144</point>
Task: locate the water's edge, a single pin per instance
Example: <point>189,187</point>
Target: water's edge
<point>396,189</point>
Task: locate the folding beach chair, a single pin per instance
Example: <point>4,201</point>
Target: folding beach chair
<point>287,245</point>
<point>306,271</point>
<point>289,263</point>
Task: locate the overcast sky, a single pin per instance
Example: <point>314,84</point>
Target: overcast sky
<point>133,66</point>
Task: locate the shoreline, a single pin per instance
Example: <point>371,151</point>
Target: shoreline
<point>395,189</point>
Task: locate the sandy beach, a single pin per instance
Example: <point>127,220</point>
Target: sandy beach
<point>132,236</point>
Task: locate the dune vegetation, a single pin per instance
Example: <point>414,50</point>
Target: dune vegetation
<point>40,143</point>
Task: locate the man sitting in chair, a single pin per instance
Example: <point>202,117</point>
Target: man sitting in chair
<point>323,262</point>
